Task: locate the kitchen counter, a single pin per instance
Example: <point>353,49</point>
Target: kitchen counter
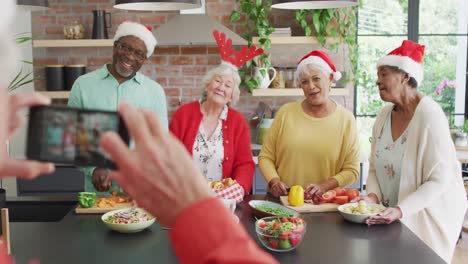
<point>329,239</point>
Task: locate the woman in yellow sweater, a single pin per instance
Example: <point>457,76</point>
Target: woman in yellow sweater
<point>312,142</point>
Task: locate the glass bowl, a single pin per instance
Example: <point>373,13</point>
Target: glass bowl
<point>280,234</point>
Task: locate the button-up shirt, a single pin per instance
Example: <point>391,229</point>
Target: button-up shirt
<point>101,90</point>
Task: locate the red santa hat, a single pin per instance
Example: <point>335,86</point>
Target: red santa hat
<point>321,61</point>
<point>408,58</point>
<point>128,28</point>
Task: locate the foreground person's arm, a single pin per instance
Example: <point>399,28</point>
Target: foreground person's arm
<point>160,175</point>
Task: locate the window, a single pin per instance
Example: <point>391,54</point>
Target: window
<point>440,25</point>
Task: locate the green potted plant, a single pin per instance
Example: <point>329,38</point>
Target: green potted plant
<point>339,24</point>
<point>256,20</point>
<point>21,78</point>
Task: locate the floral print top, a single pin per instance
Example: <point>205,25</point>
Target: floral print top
<point>208,153</point>
<point>389,155</point>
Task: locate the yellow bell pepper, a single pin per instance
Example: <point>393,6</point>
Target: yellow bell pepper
<point>296,195</point>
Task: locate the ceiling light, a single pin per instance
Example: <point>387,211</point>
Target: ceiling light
<point>156,5</point>
<point>33,5</point>
<point>312,4</point>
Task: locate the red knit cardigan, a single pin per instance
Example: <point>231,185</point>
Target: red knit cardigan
<point>238,163</point>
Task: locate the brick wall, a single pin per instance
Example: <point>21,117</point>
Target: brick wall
<point>178,69</point>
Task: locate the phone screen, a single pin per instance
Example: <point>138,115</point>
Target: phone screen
<point>70,135</point>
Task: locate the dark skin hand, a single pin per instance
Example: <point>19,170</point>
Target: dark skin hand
<point>101,180</point>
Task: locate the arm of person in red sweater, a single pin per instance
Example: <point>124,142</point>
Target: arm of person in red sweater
<point>207,233</point>
<point>243,168</point>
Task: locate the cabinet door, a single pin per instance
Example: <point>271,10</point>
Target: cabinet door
<point>65,179</point>
<point>259,186</point>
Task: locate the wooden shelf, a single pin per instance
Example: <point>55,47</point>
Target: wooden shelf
<point>294,92</point>
<point>294,40</point>
<point>56,94</point>
<point>67,43</point>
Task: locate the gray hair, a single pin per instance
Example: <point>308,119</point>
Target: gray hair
<point>305,69</point>
<point>223,70</point>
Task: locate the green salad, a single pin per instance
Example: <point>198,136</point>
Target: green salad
<point>272,210</point>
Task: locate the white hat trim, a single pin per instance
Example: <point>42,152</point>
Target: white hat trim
<point>320,64</point>
<point>404,63</point>
<point>139,31</point>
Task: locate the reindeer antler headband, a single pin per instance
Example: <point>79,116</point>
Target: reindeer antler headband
<point>231,56</point>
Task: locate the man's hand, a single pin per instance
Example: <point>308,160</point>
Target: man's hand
<point>101,181</point>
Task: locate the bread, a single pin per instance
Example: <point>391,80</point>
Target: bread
<point>224,183</point>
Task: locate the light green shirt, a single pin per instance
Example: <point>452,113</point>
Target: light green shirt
<point>100,90</point>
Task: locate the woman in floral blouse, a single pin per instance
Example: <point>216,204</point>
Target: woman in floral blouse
<point>414,169</point>
<point>216,135</point>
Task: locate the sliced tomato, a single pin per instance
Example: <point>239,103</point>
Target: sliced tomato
<point>340,191</point>
<point>317,199</point>
<point>329,196</point>
<point>342,199</point>
<point>352,193</point>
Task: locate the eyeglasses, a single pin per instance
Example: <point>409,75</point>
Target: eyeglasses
<point>138,54</point>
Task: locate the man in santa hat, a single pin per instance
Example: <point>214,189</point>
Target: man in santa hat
<point>120,80</point>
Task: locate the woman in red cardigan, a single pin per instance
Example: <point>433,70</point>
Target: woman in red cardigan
<point>216,135</point>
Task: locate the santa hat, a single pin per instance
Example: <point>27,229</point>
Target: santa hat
<point>408,58</point>
<point>232,57</point>
<point>128,28</point>
<point>321,61</point>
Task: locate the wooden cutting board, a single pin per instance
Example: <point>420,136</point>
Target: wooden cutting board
<point>101,210</point>
<point>311,208</point>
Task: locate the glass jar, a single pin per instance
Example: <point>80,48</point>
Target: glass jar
<point>461,140</point>
<point>290,80</point>
<point>279,81</point>
<point>74,30</point>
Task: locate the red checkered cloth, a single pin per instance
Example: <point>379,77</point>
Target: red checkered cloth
<point>234,191</point>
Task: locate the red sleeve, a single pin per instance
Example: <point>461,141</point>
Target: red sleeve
<point>4,257</point>
<point>214,237</point>
<point>243,169</point>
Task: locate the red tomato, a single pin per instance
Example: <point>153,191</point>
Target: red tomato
<point>352,193</point>
<point>329,196</point>
<point>340,191</point>
<point>341,199</point>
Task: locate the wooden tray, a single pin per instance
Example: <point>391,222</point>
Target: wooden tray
<point>101,210</point>
<point>311,208</point>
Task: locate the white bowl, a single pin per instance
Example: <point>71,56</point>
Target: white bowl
<point>358,218</point>
<point>128,228</point>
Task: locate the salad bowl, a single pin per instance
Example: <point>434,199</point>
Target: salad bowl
<point>125,221</point>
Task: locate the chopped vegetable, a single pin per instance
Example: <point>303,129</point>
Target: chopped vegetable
<point>86,199</point>
<point>281,233</point>
<point>124,217</point>
<point>274,211</point>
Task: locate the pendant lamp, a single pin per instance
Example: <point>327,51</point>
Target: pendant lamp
<point>156,5</point>
<point>33,5</point>
<point>312,4</point>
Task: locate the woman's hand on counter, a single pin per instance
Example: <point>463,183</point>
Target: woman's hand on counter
<point>386,217</point>
<point>278,188</point>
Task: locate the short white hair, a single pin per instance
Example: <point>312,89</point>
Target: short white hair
<point>9,52</point>
<point>305,70</point>
<point>223,70</point>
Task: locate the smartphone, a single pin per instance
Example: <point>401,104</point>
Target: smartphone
<point>67,135</point>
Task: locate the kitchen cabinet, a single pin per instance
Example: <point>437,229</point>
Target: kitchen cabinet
<point>259,185</point>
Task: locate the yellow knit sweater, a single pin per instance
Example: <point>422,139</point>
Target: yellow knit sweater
<point>300,149</point>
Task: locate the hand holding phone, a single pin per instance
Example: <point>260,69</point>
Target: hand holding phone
<point>71,135</point>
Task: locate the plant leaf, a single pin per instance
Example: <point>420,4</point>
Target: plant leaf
<point>235,16</point>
